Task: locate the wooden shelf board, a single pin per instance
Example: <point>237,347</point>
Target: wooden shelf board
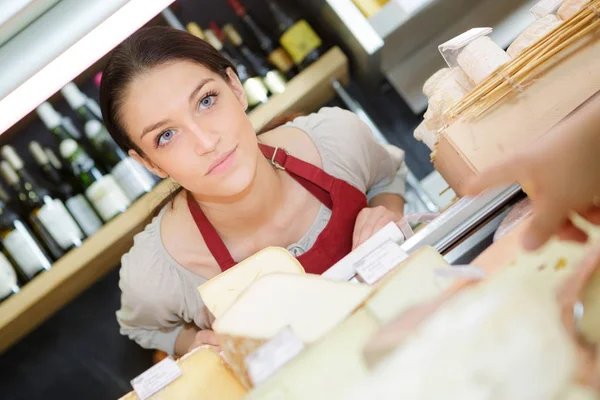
<point>99,254</point>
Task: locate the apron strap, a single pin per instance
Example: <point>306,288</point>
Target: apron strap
<point>311,177</point>
<point>211,237</point>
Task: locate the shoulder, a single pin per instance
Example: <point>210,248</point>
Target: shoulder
<point>315,138</point>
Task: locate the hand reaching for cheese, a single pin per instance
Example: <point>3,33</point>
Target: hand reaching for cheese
<point>560,173</point>
<point>206,337</point>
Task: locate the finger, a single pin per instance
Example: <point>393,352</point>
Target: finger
<point>358,225</point>
<point>570,232</point>
<point>546,221</point>
<point>371,227</point>
<point>505,172</point>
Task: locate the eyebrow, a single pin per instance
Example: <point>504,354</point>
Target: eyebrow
<point>198,88</point>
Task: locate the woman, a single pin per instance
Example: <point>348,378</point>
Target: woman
<point>318,186</point>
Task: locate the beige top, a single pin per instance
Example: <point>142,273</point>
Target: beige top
<point>159,295</point>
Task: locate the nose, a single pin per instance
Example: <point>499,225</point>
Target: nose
<point>206,140</point>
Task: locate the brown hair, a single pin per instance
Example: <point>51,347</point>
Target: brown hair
<point>144,50</point>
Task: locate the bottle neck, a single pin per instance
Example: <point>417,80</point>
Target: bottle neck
<point>284,21</point>
<point>265,42</point>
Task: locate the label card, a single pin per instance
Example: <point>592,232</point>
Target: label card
<point>271,356</point>
<point>379,261</point>
<point>156,378</point>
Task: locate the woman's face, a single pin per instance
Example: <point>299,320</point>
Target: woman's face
<point>191,125</point>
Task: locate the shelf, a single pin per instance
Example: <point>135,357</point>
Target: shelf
<point>81,267</point>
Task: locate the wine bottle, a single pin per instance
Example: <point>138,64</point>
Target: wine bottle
<point>274,52</point>
<point>256,91</point>
<point>101,190</point>
<point>20,246</point>
<point>134,179</point>
<point>63,127</point>
<point>48,217</point>
<point>52,212</point>
<point>272,78</point>
<point>195,30</point>
<point>370,7</point>
<point>296,36</point>
<point>172,19</point>
<point>9,282</point>
<point>76,202</point>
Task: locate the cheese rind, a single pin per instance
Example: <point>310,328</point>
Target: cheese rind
<point>309,304</point>
<point>220,292</point>
<point>480,58</point>
<point>570,8</point>
<point>533,33</point>
<point>204,375</point>
<point>410,283</point>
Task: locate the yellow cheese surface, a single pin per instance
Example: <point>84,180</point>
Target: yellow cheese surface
<point>221,291</point>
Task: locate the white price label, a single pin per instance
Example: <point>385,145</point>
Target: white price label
<point>271,356</point>
<point>156,378</point>
<point>381,260</point>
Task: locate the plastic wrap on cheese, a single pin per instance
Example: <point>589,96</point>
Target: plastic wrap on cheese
<point>533,33</point>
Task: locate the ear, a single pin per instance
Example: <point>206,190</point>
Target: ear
<point>149,165</point>
<point>238,89</point>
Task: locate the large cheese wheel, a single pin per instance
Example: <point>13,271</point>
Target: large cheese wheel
<point>570,8</point>
<point>221,291</point>
<point>309,304</point>
<point>204,375</point>
<point>533,33</point>
<point>480,58</point>
<point>410,283</point>
<point>504,336</point>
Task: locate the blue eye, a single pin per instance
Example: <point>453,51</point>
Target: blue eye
<point>165,137</point>
<point>207,102</point>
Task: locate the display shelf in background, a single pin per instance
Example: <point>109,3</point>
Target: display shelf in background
<point>81,267</point>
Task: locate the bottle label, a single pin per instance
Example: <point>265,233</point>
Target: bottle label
<point>60,224</point>
<point>281,59</point>
<point>134,179</point>
<point>8,278</point>
<point>25,251</point>
<point>300,40</point>
<point>107,197</point>
<point>256,91</point>
<point>275,82</point>
<point>84,214</point>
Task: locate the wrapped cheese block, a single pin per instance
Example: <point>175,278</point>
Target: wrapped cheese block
<point>327,368</point>
<point>411,283</point>
<point>425,135</point>
<point>432,83</point>
<point>204,375</point>
<point>570,8</point>
<point>533,33</point>
<point>308,304</point>
<point>221,291</point>
<point>501,339</point>
<point>480,58</point>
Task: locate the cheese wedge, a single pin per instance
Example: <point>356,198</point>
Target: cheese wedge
<point>325,369</point>
<point>502,336</point>
<point>481,58</point>
<point>429,138</point>
<point>309,304</point>
<point>410,283</point>
<point>221,291</point>
<point>204,375</point>
<point>570,8</point>
<point>533,33</point>
<point>432,83</point>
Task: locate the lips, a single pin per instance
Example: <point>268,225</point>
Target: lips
<point>220,160</point>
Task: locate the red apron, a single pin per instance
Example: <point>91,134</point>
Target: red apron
<point>332,244</point>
